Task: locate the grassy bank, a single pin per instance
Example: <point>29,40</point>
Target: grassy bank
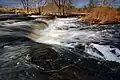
<point>98,15</point>
<point>102,15</point>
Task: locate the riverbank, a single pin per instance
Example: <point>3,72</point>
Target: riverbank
<point>102,15</point>
<point>98,15</point>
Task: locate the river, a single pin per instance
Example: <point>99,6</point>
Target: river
<point>58,49</point>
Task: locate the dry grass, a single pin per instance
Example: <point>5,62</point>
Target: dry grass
<point>103,15</point>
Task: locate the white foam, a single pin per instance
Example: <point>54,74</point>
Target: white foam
<point>35,16</point>
<point>105,51</point>
<point>52,35</point>
<point>70,38</point>
<point>19,23</point>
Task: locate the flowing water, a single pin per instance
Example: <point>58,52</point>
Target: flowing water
<point>69,32</point>
<point>29,48</point>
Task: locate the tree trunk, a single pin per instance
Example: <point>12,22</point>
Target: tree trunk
<point>59,6</point>
<point>63,11</point>
<point>23,3</point>
<point>39,10</point>
<point>103,2</point>
<point>27,6</point>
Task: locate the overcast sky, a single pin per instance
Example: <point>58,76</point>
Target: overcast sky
<point>78,3</point>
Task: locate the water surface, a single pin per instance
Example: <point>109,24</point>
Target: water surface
<point>39,49</point>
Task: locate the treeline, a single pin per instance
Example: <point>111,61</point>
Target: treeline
<point>103,13</point>
<point>62,5</point>
<point>98,3</point>
<point>40,4</point>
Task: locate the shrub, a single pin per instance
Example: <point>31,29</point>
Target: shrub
<point>102,15</point>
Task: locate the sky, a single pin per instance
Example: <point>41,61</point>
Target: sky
<point>82,3</point>
<point>77,3</point>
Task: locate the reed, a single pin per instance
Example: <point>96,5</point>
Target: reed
<point>102,15</point>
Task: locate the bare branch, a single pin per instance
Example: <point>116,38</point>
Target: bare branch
<point>61,4</point>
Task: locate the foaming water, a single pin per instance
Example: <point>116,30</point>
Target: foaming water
<point>63,31</point>
<point>69,32</point>
<point>16,50</point>
<point>68,42</point>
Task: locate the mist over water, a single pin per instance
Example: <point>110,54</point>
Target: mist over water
<point>23,45</point>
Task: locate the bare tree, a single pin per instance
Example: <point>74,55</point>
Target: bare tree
<point>41,5</point>
<point>25,5</point>
<point>92,3</point>
<point>61,4</point>
<point>104,2</point>
<point>58,4</point>
<point>113,2</point>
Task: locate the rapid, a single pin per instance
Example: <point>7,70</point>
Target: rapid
<point>70,32</point>
<point>31,49</point>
